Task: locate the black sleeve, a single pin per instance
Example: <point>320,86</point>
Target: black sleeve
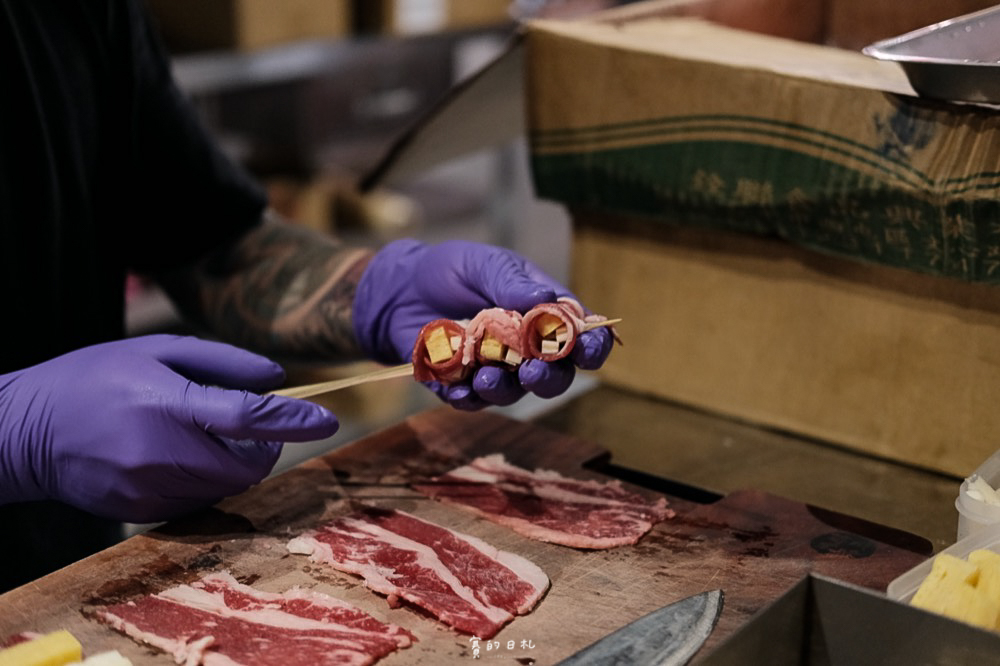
<point>187,197</point>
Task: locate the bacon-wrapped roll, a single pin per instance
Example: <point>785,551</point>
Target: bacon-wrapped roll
<point>549,330</point>
<point>448,351</point>
<point>437,353</point>
<point>493,337</point>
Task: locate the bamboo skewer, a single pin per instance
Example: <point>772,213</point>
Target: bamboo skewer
<point>598,324</point>
<point>312,390</point>
<point>392,372</point>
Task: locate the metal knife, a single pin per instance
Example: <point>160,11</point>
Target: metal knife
<point>669,636</point>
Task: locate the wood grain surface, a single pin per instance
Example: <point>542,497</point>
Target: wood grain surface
<point>751,544</point>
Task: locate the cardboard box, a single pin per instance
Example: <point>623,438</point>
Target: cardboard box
<point>246,25</point>
<point>417,17</point>
<point>849,24</point>
<point>818,247</point>
<point>792,237</point>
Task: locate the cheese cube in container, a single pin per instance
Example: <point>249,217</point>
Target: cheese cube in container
<point>977,503</point>
<point>905,586</point>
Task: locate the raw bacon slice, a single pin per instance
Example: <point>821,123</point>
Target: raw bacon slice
<point>217,621</point>
<point>446,371</point>
<point>569,319</point>
<point>547,506</point>
<point>494,324</point>
<point>462,580</point>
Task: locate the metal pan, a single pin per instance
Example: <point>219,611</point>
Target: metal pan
<point>957,59</point>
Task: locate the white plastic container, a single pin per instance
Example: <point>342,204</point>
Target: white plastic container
<point>905,586</point>
<point>974,515</point>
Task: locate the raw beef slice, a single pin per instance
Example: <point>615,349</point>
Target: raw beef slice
<point>462,580</point>
<point>547,506</point>
<point>217,621</point>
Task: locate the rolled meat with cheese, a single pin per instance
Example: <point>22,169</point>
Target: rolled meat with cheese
<point>437,353</point>
<point>549,330</point>
<point>493,337</point>
<point>448,351</point>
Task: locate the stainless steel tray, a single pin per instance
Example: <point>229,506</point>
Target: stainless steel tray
<point>825,622</point>
<point>957,59</point>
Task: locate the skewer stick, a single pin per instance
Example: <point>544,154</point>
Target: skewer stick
<point>598,324</point>
<point>392,372</point>
<point>312,390</point>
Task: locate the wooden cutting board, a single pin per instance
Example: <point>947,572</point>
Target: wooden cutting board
<point>751,544</point>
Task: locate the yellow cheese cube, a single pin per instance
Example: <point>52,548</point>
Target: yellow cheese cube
<point>968,604</point>
<point>957,569</point>
<point>547,324</point>
<point>963,589</point>
<point>492,348</point>
<point>948,574</point>
<point>438,345</point>
<point>989,572</point>
<point>550,347</point>
<point>54,649</point>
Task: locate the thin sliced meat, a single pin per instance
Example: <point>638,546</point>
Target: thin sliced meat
<point>568,312</point>
<point>217,621</point>
<point>462,580</point>
<point>513,337</point>
<point>445,371</point>
<point>503,326</point>
<point>547,506</point>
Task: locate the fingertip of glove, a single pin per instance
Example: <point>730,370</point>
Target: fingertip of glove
<point>546,380</point>
<point>319,421</point>
<point>267,374</point>
<point>497,386</point>
<point>290,419</point>
<point>463,397</point>
<point>522,296</point>
<point>592,349</point>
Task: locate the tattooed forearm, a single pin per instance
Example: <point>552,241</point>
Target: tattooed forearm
<point>282,290</point>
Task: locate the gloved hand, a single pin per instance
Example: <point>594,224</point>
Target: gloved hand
<point>408,284</point>
<point>125,430</point>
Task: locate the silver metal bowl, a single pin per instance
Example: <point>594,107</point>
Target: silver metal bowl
<point>957,59</point>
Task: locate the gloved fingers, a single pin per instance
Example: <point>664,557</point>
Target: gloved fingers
<point>248,462</point>
<point>145,509</point>
<point>460,278</point>
<point>176,486</point>
<point>459,395</point>
<point>403,340</point>
<point>229,468</point>
<point>210,362</point>
<point>512,282</point>
<point>241,415</point>
<point>497,386</point>
<point>546,380</point>
<point>592,348</point>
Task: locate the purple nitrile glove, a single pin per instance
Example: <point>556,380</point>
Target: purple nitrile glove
<point>408,284</point>
<point>125,431</point>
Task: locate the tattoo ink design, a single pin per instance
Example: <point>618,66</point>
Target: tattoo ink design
<point>281,290</point>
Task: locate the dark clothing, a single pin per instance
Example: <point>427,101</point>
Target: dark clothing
<point>104,169</point>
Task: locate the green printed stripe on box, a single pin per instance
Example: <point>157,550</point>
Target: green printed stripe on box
<point>823,196</point>
<point>884,160</point>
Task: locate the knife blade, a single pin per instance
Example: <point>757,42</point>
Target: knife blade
<point>669,636</point>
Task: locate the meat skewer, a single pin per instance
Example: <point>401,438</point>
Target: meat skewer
<point>502,337</point>
<point>450,349</point>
